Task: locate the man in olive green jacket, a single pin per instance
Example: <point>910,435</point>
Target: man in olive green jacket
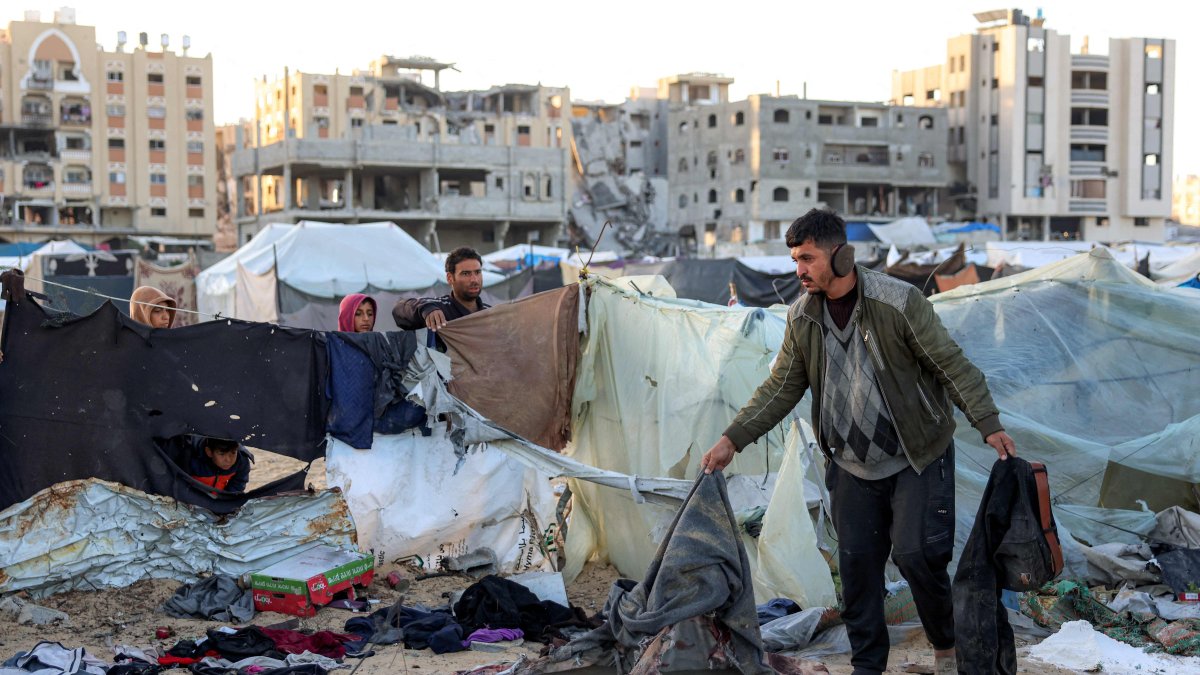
<point>883,371</point>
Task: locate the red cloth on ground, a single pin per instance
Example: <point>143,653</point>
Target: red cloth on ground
<point>169,660</point>
<point>325,643</point>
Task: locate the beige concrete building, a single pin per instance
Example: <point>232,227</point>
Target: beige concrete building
<point>1185,200</point>
<point>98,144</point>
<point>1049,144</point>
<point>742,171</point>
<point>477,168</point>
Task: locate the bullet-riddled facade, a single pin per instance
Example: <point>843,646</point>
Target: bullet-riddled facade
<point>97,144</point>
<point>1049,144</point>
<point>475,168</point>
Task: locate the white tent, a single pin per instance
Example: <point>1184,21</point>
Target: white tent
<point>290,267</point>
<point>1179,270</point>
<point>908,232</point>
<point>1033,253</point>
<point>25,262</point>
<point>523,252</point>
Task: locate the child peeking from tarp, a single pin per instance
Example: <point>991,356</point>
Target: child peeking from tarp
<point>150,306</point>
<point>356,314</point>
<point>221,464</point>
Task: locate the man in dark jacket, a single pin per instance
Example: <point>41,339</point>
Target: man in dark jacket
<point>883,371</point>
<point>464,273</point>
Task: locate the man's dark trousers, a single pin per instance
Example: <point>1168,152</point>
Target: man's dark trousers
<point>911,517</point>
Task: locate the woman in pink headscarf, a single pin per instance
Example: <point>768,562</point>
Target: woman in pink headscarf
<point>357,314</point>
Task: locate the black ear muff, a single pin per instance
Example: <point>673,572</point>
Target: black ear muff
<point>843,260</point>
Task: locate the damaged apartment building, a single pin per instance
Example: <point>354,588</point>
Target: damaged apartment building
<point>99,144</point>
<point>620,156</point>
<point>472,168</point>
<point>742,171</point>
<point>1050,144</point>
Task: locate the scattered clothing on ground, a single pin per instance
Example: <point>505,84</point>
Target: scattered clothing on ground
<point>493,635</point>
<point>776,608</point>
<point>217,598</point>
<point>324,643</point>
<point>52,658</point>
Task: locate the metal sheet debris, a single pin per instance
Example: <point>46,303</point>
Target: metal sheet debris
<point>87,534</point>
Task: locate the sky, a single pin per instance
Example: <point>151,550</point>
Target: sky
<point>842,50</point>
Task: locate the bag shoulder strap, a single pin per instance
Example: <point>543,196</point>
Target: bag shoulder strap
<point>1042,480</point>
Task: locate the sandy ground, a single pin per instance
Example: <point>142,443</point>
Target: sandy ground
<point>102,619</point>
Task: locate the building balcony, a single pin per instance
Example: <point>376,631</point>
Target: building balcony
<point>452,206</point>
<point>1088,133</point>
<point>76,155</point>
<point>40,83</point>
<point>1089,97</point>
<point>76,119</point>
<point>37,119</point>
<point>38,188</point>
<point>77,189</point>
<point>1089,61</point>
<point>1088,169</point>
<point>1076,205</point>
<point>348,154</point>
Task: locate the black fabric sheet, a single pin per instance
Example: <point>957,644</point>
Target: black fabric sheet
<point>87,397</point>
<point>693,279</point>
<point>759,289</point>
<point>81,297</point>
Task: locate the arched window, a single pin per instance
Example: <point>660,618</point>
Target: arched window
<point>683,127</point>
<point>683,165</point>
<point>925,122</point>
<point>682,201</point>
<point>782,116</point>
<point>739,196</point>
<point>712,121</point>
<point>711,159</point>
<point>780,194</point>
<point>807,193</point>
<point>739,156</point>
<point>739,118</point>
<point>712,196</point>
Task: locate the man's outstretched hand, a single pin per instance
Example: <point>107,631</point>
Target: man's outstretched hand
<point>1003,444</point>
<point>718,456</point>
<point>435,320</point>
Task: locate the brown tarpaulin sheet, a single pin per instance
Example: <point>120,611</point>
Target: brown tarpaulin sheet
<point>515,364</point>
<point>965,276</point>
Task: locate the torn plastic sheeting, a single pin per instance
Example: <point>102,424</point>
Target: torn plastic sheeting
<point>785,559</point>
<point>425,380</point>
<point>413,500</point>
<point>658,381</point>
<point>93,533</point>
<point>1178,527</point>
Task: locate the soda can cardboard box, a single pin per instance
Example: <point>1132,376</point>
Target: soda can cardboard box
<point>301,584</point>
